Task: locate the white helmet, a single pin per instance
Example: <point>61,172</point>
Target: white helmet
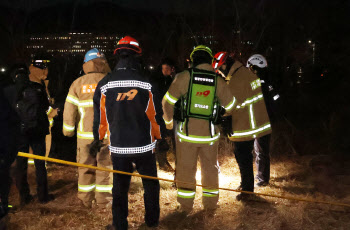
<point>257,60</point>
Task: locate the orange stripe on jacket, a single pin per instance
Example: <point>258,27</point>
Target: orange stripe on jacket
<point>151,114</point>
<point>103,119</point>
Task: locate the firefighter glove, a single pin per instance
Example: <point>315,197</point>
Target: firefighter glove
<point>95,147</point>
<point>226,124</point>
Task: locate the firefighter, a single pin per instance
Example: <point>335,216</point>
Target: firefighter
<point>198,95</point>
<point>258,65</point>
<point>79,113</point>
<point>250,121</point>
<point>125,110</point>
<point>31,105</point>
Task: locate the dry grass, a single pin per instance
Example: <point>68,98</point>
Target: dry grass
<point>289,176</point>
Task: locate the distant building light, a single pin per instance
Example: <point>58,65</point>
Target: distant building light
<point>151,67</point>
<point>310,41</point>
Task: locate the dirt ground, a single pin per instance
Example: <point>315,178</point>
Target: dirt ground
<point>294,176</point>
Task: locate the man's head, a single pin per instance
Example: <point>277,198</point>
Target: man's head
<point>38,69</point>
<point>257,64</point>
<point>201,54</point>
<point>95,61</point>
<point>223,62</point>
<point>128,46</point>
<point>168,67</point>
<point>93,54</point>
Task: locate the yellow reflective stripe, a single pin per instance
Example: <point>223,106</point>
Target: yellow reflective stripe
<point>168,122</point>
<point>251,116</point>
<point>172,100</point>
<point>30,161</point>
<point>68,128</point>
<point>82,114</point>
<point>254,99</point>
<point>251,132</point>
<point>104,188</point>
<point>73,100</point>
<point>196,139</point>
<point>231,104</point>
<point>185,193</point>
<point>87,135</point>
<point>51,121</point>
<point>49,110</point>
<point>86,103</point>
<point>86,188</point>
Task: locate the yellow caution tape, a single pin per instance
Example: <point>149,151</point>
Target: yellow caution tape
<point>31,156</point>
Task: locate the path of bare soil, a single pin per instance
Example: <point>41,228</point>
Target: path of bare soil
<point>290,176</point>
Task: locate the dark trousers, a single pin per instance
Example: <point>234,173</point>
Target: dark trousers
<point>244,157</point>
<point>145,165</point>
<point>262,160</point>
<point>38,146</point>
<point>4,189</point>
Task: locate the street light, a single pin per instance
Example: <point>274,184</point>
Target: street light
<point>3,70</point>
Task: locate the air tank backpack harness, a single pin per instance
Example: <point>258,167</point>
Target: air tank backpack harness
<point>200,101</point>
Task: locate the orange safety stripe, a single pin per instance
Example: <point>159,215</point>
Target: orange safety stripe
<point>151,114</point>
<point>103,119</point>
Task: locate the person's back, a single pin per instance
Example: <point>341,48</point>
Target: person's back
<point>124,109</point>
<point>78,111</point>
<point>197,133</point>
<point>129,104</point>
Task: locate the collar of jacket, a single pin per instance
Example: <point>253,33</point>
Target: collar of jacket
<point>98,65</point>
<point>128,63</point>
<point>205,66</point>
<point>234,68</point>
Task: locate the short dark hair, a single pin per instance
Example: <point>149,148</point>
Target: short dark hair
<point>168,61</point>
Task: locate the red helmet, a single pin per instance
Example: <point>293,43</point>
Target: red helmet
<point>129,43</point>
<point>219,59</point>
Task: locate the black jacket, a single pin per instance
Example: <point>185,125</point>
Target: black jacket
<point>124,108</point>
<point>9,126</point>
<point>35,93</point>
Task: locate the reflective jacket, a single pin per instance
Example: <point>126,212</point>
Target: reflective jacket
<point>125,110</point>
<point>198,129</point>
<point>250,118</point>
<point>78,109</point>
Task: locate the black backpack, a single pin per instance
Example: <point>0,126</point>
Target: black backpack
<point>27,108</point>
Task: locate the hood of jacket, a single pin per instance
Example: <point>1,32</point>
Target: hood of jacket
<point>98,65</point>
<point>37,74</point>
<point>129,63</point>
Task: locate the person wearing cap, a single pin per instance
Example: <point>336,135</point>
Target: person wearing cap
<point>250,118</point>
<point>197,135</point>
<point>78,117</point>
<point>34,92</point>
<point>125,110</point>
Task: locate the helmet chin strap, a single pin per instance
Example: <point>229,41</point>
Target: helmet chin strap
<point>221,73</point>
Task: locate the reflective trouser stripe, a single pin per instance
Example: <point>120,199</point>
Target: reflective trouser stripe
<point>104,188</point>
<point>86,188</point>
<point>30,161</point>
<point>185,193</point>
<point>210,193</point>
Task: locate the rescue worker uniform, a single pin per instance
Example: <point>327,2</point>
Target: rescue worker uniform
<point>251,124</point>
<point>79,113</point>
<point>34,140</point>
<point>125,109</point>
<point>200,142</point>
